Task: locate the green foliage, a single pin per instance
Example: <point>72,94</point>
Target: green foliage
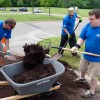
<point>20,3</point>
<point>85,4</point>
<point>47,3</point>
<point>14,3</point>
<point>35,3</point>
<point>5,3</point>
<point>63,4</point>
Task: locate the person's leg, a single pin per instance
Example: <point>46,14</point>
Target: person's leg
<point>72,40</point>
<point>62,43</point>
<point>93,85</point>
<point>83,68</point>
<point>2,62</point>
<point>94,73</point>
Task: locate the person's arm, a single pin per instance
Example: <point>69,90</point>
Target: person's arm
<point>78,45</point>
<point>7,44</point>
<point>80,42</point>
<point>7,47</point>
<point>65,22</point>
<point>65,30</point>
<point>80,18</point>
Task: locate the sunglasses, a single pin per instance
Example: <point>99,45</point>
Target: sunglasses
<point>11,26</point>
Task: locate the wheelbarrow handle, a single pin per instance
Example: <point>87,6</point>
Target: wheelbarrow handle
<point>4,83</point>
<point>67,49</point>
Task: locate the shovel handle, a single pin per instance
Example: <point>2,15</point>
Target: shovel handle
<point>67,49</point>
<point>88,53</point>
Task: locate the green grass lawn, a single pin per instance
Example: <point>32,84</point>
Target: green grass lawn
<point>29,17</point>
<point>66,55</point>
<point>35,17</point>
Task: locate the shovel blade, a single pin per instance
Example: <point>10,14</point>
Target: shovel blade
<point>56,56</point>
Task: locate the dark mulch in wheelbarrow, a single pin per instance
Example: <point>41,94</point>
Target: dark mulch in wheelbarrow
<point>68,91</point>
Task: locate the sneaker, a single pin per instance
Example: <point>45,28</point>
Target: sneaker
<point>80,80</point>
<point>87,94</point>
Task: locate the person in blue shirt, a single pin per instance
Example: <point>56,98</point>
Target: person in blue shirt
<point>5,32</point>
<point>90,64</point>
<point>68,29</point>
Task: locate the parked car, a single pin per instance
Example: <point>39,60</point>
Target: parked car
<point>13,9</point>
<point>2,8</point>
<point>23,9</point>
<point>37,10</point>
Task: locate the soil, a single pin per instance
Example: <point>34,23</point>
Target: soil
<point>68,91</point>
<point>36,73</point>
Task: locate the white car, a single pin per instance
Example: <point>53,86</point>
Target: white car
<point>37,10</point>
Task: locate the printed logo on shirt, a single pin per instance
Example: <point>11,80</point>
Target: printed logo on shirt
<point>5,34</point>
<point>64,25</point>
<point>97,35</point>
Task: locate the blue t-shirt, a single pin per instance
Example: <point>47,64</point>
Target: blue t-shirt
<point>91,35</point>
<point>4,32</point>
<point>68,23</point>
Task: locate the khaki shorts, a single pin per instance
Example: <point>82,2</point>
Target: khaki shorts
<point>92,68</point>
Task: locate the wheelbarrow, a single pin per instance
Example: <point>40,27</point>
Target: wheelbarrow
<point>32,88</point>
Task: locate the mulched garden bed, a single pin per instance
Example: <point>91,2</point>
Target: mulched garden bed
<point>68,91</point>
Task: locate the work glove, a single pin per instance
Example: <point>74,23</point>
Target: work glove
<point>80,19</point>
<point>69,36</point>
<point>74,49</point>
<point>8,52</point>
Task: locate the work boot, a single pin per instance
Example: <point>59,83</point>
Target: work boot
<point>80,80</point>
<point>87,94</point>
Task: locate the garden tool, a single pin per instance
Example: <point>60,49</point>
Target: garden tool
<point>57,56</point>
<point>67,49</point>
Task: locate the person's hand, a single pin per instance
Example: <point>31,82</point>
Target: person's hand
<point>74,49</point>
<point>69,36</point>
<point>8,52</point>
<point>80,19</point>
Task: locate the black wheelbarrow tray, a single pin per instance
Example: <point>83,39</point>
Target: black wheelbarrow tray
<point>34,87</point>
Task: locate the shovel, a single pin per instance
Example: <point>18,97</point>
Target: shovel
<point>67,49</point>
<point>57,56</point>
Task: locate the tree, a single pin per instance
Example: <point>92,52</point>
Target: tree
<point>5,3</point>
<point>20,3</point>
<point>47,3</point>
<point>62,3</point>
<point>14,3</point>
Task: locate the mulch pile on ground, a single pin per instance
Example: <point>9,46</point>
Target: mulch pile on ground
<point>68,91</point>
